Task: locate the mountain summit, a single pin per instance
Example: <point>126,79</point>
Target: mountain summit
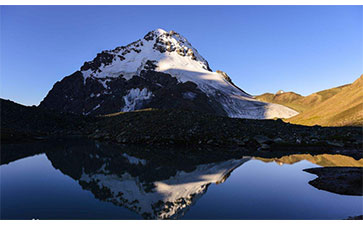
<point>161,70</point>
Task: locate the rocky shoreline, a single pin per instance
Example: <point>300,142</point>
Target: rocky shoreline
<point>181,128</point>
<point>339,180</point>
<point>161,127</point>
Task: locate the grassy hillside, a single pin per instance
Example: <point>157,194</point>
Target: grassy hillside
<point>341,109</point>
<point>289,99</point>
<point>298,102</point>
<point>340,106</point>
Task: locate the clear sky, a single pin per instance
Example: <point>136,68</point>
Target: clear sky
<point>262,48</point>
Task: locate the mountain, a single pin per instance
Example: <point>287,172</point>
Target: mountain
<point>161,70</point>
<point>339,106</point>
<point>155,186</point>
<point>289,99</point>
<point>299,102</point>
<point>325,160</point>
<point>168,199</point>
<point>345,108</point>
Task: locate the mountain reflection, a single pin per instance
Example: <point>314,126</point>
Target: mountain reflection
<point>325,160</point>
<point>155,184</point>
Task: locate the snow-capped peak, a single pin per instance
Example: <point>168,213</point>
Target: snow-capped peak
<point>170,56</point>
<point>171,53</point>
<point>168,50</point>
<point>160,31</point>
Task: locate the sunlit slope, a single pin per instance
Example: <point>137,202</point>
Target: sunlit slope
<point>289,99</point>
<point>341,109</point>
<point>339,106</point>
<point>298,102</point>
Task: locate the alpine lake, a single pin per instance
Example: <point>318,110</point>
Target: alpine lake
<point>88,179</point>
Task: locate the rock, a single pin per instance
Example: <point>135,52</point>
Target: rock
<point>119,138</point>
<point>263,147</point>
<point>278,140</point>
<point>97,135</point>
<point>246,139</point>
<point>335,144</point>
<point>238,142</point>
<point>261,139</point>
<point>360,217</point>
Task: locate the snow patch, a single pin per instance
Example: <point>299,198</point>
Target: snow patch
<point>104,82</point>
<point>134,160</point>
<point>189,95</point>
<point>94,108</point>
<point>135,98</point>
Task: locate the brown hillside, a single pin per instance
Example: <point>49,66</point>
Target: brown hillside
<point>298,102</point>
<point>343,108</point>
<point>339,106</point>
<point>289,99</point>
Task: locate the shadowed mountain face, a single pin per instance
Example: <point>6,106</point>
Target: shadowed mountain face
<point>161,70</point>
<point>340,106</point>
<point>149,90</point>
<point>156,187</point>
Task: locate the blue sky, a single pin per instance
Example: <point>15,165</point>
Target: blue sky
<point>262,48</point>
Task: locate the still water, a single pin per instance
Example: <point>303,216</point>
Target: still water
<point>91,180</point>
